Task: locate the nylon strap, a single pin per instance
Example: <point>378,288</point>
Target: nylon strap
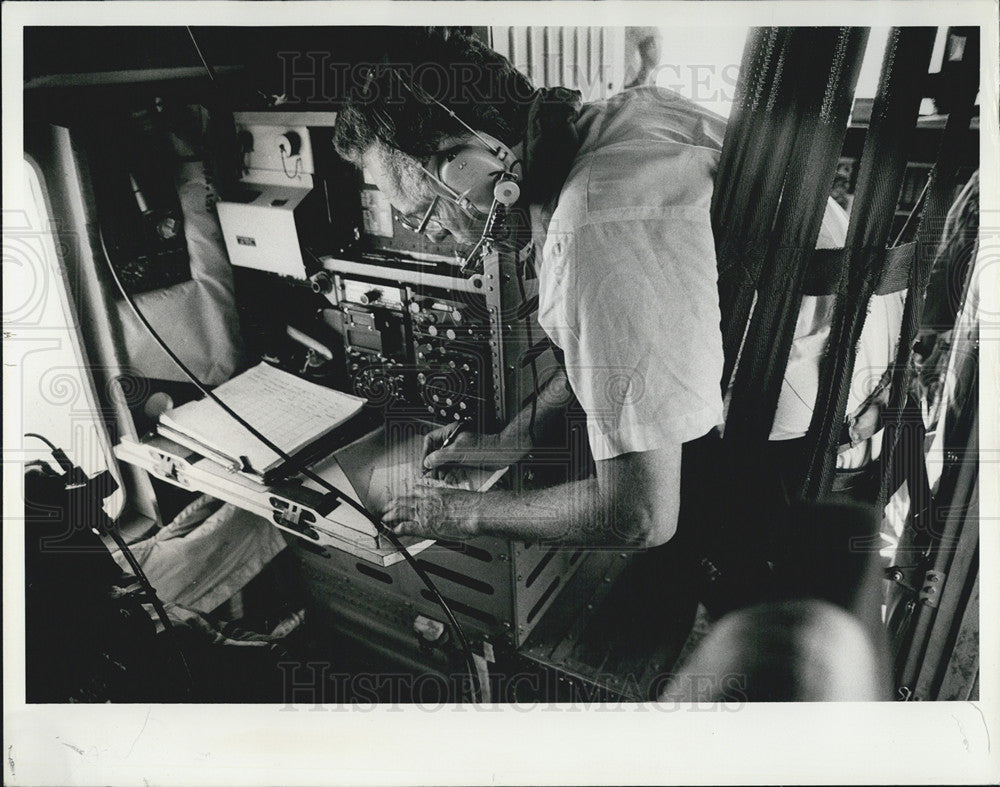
<point>883,162</point>
<point>826,266</point>
<point>932,221</point>
<point>752,166</point>
<point>824,93</point>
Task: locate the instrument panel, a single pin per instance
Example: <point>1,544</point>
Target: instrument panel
<point>422,348</point>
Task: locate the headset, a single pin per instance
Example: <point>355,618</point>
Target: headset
<point>478,178</point>
<point>481,179</point>
<point>481,176</point>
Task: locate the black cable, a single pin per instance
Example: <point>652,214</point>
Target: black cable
<point>297,465</point>
<point>392,537</point>
<point>75,473</point>
<point>43,439</point>
<point>154,599</point>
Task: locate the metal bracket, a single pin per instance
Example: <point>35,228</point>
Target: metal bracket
<point>294,517</point>
<point>169,468</point>
<point>930,594</point>
<point>904,576</point>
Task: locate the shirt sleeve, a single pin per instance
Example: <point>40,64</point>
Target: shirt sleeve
<point>632,300</point>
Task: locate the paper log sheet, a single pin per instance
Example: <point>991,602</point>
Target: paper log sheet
<point>289,411</point>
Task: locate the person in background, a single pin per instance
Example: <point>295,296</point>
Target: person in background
<point>948,289</point>
<point>642,55</point>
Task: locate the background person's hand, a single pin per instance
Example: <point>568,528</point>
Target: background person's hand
<point>469,449</point>
<point>930,359</point>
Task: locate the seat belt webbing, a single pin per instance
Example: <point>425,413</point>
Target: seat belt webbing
<point>939,201</point>
<point>825,268</point>
<point>823,103</point>
<point>883,163</point>
<point>752,166</point>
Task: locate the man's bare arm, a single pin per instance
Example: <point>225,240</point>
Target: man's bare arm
<point>633,501</point>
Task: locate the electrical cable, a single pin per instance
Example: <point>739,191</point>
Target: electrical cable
<point>380,528</point>
<point>296,170</point>
<point>299,467</point>
<point>73,474</point>
<point>427,98</point>
<point>45,440</point>
<point>154,599</point>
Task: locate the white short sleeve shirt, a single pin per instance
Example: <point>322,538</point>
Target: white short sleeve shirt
<point>876,350</point>
<point>628,281</point>
<point>628,284</point>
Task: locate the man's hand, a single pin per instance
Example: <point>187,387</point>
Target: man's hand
<point>470,449</point>
<point>930,352</point>
<point>633,502</point>
<point>433,510</point>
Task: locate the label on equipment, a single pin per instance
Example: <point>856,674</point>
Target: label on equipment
<point>376,213</point>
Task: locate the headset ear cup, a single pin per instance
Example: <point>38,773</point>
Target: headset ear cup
<point>506,192</point>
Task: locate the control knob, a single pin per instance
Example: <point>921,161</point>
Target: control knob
<point>372,296</point>
<point>322,283</point>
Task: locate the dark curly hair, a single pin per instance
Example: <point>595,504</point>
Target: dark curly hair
<point>392,101</point>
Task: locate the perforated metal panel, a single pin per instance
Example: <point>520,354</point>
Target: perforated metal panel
<point>497,589</point>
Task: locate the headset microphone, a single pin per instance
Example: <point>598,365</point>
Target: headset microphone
<point>506,192</point>
<point>479,176</point>
<point>474,174</point>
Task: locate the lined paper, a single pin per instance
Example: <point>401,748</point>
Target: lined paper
<point>289,411</point>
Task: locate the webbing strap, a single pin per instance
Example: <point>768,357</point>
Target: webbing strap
<point>883,162</point>
<point>752,166</point>
<point>949,275</point>
<point>824,93</point>
<point>760,74</point>
<point>825,267</point>
<point>928,235</point>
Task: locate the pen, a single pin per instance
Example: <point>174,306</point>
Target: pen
<point>453,434</point>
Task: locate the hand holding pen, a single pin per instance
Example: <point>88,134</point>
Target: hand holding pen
<point>439,441</point>
<point>457,446</point>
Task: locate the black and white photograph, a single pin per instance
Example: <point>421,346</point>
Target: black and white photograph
<point>394,396</point>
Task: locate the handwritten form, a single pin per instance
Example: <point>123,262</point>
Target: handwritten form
<point>289,411</point>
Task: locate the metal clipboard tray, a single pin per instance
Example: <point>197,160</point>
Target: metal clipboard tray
<point>296,506</point>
